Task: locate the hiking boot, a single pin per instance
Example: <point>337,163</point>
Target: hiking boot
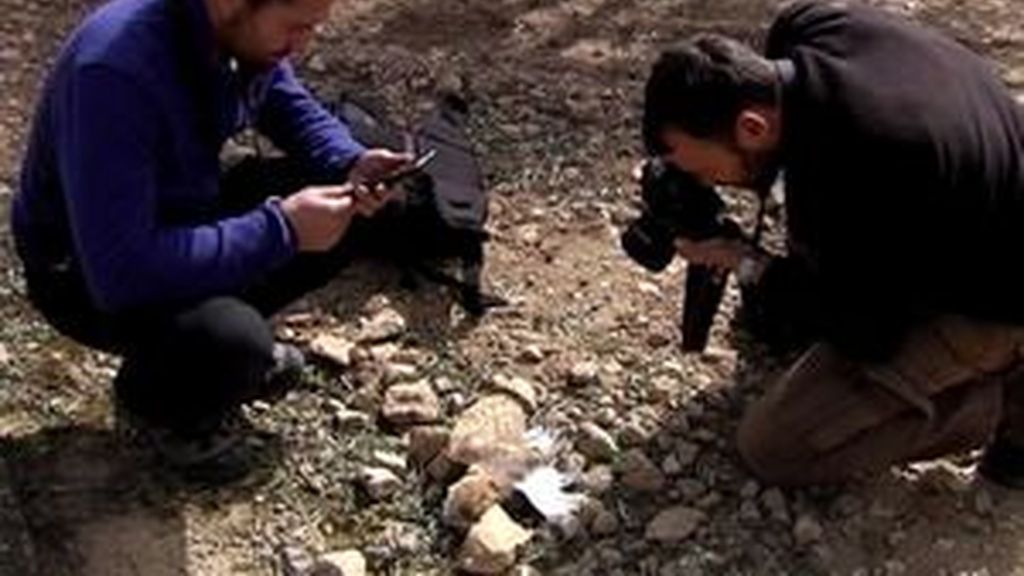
<point>285,374</point>
<point>1003,464</point>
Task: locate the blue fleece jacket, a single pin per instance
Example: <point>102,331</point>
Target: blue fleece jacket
<point>122,172</point>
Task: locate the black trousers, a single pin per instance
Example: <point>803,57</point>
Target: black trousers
<point>185,366</point>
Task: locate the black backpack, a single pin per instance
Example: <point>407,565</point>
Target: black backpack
<point>443,215</point>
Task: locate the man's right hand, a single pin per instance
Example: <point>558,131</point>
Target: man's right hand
<point>320,215</point>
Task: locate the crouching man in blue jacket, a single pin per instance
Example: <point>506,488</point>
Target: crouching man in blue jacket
<point>133,243</point>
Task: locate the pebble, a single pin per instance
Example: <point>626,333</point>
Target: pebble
<point>595,443</point>
<point>492,543</point>
<point>598,480</point>
<point>392,461</point>
<point>426,442</point>
<point>775,502</point>
<point>380,483</point>
<point>604,523</point>
<point>518,388</point>
<point>638,473</point>
<point>674,524</point>
<point>671,466</point>
<point>532,354</point>
<point>686,453</point>
<point>584,374</point>
<point>385,325</point>
<point>295,561</point>
<point>411,404</point>
<point>344,563</point>
<point>807,530</point>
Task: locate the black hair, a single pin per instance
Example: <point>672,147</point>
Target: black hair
<point>700,87</point>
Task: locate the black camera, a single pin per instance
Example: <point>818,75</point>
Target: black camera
<point>677,205</point>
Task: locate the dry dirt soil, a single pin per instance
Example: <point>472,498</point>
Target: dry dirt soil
<point>554,88</point>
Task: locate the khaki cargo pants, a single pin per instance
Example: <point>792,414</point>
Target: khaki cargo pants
<point>828,418</point>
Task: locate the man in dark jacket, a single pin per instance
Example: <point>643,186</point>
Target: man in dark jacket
<point>130,241</point>
<point>901,155</point>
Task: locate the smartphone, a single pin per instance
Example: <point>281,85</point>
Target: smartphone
<point>408,171</point>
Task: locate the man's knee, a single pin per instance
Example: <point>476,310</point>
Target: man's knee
<point>225,348</point>
<point>226,329</point>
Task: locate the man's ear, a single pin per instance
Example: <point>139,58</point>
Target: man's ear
<point>753,130</point>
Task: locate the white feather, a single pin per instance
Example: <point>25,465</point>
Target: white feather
<point>544,487</point>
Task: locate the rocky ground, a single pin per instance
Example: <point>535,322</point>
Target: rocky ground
<point>588,349</point>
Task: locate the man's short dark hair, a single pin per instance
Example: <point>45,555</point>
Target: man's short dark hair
<point>700,87</point>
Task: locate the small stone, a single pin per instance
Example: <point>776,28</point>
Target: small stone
<point>398,372</point>
<point>686,453</point>
<point>519,389</point>
<point>749,490</point>
<point>442,470</point>
<point>671,466</point>
<point>945,544</point>
<point>606,416</point>
<point>390,460</point>
<point>649,288</point>
<point>634,433</point>
<point>344,563</point>
<point>595,443</point>
<point>385,325</point>
<point>775,502</point>
<point>524,570</point>
<point>598,480</point>
<point>709,501</point>
<point>638,473</point>
<point>350,420</point>
<point>807,530</point>
<point>674,525</point>
<point>382,353</point>
<point>490,547</point>
<point>604,523</point>
<point>895,568</point>
<point>295,561</point>
<point>334,348</point>
<point>584,374</point>
<point>493,426</point>
<point>470,497</point>
<point>529,234</point>
<point>426,442</point>
<point>663,388</point>
<point>411,404</point>
<point>379,483</point>
<point>749,511</point>
<point>5,355</point>
<point>704,436</point>
<point>690,488</point>
<point>532,354</point>
<point>316,64</point>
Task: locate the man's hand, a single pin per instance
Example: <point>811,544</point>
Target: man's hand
<point>376,164</point>
<point>320,215</point>
<point>723,254</point>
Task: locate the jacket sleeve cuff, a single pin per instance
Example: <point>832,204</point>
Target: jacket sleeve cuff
<point>286,232</point>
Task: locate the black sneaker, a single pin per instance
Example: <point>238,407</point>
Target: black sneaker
<point>1003,464</point>
<point>285,374</point>
<point>218,456</point>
